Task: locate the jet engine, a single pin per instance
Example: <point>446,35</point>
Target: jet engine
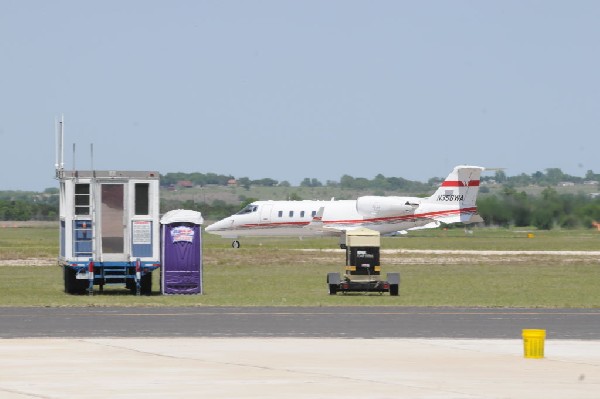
<point>375,206</point>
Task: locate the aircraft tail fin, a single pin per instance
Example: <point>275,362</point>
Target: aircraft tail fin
<point>455,199</point>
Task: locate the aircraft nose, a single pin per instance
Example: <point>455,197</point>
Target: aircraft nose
<point>211,227</point>
<point>220,225</point>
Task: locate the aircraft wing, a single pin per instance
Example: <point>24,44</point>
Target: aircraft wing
<point>317,224</point>
<point>465,218</point>
<point>317,221</point>
<point>431,225</point>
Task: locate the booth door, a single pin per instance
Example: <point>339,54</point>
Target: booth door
<point>112,221</point>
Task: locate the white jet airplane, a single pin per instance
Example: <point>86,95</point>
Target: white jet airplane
<point>453,202</point>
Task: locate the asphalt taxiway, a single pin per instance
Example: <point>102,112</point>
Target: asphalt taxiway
<point>297,322</point>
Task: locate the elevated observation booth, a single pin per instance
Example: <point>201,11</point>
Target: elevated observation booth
<point>109,228</point>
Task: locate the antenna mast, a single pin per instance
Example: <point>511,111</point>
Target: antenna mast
<point>92,156</point>
<point>74,159</point>
<point>59,133</point>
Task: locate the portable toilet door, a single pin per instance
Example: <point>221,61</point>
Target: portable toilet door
<point>181,260</point>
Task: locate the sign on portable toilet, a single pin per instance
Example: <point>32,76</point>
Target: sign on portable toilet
<point>181,252</point>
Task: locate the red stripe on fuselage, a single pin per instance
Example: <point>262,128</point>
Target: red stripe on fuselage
<point>393,219</point>
<point>456,183</point>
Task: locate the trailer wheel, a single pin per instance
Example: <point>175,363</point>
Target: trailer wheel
<point>67,279</point>
<point>332,289</point>
<point>72,285</point>
<point>394,289</point>
<point>146,284</point>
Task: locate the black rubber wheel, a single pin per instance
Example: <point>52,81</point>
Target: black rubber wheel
<point>72,284</point>
<point>332,289</point>
<point>68,280</point>
<point>235,244</point>
<point>394,289</point>
<point>146,284</point>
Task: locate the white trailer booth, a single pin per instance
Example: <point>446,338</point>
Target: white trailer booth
<point>109,229</point>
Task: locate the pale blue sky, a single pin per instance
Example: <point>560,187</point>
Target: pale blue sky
<point>295,89</point>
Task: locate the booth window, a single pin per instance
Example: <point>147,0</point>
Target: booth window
<point>82,199</point>
<point>142,198</point>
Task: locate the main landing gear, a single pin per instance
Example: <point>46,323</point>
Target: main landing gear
<point>235,244</point>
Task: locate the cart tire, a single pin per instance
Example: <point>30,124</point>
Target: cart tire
<point>394,289</point>
<point>333,289</point>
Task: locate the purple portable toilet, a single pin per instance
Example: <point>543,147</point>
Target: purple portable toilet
<point>181,252</point>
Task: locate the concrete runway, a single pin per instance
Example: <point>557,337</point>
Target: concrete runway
<point>39,360</point>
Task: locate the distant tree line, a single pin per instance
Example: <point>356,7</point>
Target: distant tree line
<point>546,211</point>
<point>508,208</point>
<point>380,182</point>
<point>197,179</point>
<point>218,209</point>
<point>22,205</point>
<point>551,177</point>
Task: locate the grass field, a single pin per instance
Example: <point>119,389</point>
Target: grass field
<point>280,272</point>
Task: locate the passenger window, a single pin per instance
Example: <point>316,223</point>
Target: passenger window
<point>301,214</point>
<point>280,214</point>
<point>314,213</point>
<point>291,214</point>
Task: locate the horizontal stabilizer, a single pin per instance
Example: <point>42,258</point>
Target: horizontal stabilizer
<point>466,218</point>
<point>475,219</point>
<point>431,225</point>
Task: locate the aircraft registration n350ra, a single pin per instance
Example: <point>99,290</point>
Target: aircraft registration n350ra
<point>453,202</point>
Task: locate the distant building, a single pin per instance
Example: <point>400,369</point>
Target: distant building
<point>566,184</point>
<point>232,183</point>
<point>185,184</point>
<point>591,182</point>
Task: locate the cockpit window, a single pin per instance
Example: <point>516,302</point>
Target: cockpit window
<point>248,209</point>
